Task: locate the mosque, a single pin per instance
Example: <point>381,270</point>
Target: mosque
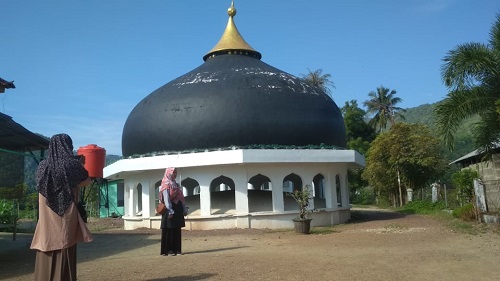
<point>242,134</point>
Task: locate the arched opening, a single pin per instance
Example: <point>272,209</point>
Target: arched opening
<point>260,196</point>
<point>192,195</point>
<point>222,198</point>
<point>138,200</point>
<point>319,191</point>
<point>156,196</point>
<point>290,183</point>
<point>338,190</point>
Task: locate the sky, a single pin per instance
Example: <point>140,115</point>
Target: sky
<point>80,67</point>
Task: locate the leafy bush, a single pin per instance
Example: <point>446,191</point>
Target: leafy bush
<point>464,182</point>
<point>466,212</point>
<point>423,207</point>
<point>383,200</point>
<point>7,212</point>
<point>302,197</point>
<point>364,196</point>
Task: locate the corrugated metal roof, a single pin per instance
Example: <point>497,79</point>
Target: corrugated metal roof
<point>472,154</point>
<point>15,137</point>
<point>4,84</point>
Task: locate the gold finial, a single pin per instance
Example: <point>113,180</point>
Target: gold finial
<point>231,11</point>
<point>231,39</point>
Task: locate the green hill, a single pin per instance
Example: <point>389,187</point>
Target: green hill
<point>464,141</point>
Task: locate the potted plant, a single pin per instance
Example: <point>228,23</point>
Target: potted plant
<point>302,223</point>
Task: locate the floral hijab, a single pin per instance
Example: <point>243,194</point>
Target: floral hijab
<point>58,175</point>
<point>168,182</point>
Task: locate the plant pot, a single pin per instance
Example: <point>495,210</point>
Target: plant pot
<point>302,226</point>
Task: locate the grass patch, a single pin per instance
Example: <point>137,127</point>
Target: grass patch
<point>422,207</point>
<point>323,230</point>
<point>461,220</point>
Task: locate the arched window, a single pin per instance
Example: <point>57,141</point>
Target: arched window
<point>222,196</point>
<point>290,183</point>
<point>191,187</point>
<point>260,182</point>
<point>319,191</point>
<point>338,189</point>
<point>192,195</point>
<point>259,197</point>
<point>138,200</point>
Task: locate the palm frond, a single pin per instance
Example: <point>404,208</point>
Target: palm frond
<point>495,35</point>
<point>458,106</point>
<point>318,79</point>
<point>466,65</point>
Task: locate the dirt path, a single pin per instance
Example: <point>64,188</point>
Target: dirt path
<point>382,245</point>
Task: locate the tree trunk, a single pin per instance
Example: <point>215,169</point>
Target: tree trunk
<point>400,192</point>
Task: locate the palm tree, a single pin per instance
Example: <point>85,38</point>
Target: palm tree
<point>317,79</point>
<point>382,104</point>
<point>471,72</point>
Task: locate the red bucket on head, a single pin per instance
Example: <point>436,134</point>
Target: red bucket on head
<point>95,157</point>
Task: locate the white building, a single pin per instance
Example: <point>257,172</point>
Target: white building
<point>240,188</point>
<point>242,134</point>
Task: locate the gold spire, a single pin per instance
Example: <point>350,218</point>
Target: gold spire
<point>231,39</point>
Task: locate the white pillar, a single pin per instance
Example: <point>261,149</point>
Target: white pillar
<point>146,202</point>
<point>131,201</point>
<point>277,193</point>
<point>328,187</point>
<point>434,192</point>
<point>126,199</point>
<point>205,204</point>
<point>409,194</point>
<point>241,195</point>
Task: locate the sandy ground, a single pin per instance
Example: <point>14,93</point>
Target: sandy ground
<point>376,245</point>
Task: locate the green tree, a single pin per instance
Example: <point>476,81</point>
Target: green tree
<point>318,79</point>
<point>358,131</point>
<point>382,104</point>
<point>471,72</point>
<point>407,149</point>
<point>359,135</point>
<point>464,182</point>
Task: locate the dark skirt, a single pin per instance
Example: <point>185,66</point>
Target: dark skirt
<point>59,265</point>
<point>171,240</point>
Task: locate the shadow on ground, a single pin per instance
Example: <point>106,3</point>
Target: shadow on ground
<point>195,277</point>
<point>17,259</point>
<point>364,215</point>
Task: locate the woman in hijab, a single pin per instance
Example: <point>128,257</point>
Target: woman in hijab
<point>173,219</point>
<point>60,226</point>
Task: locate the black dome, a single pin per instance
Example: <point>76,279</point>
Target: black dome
<point>232,100</point>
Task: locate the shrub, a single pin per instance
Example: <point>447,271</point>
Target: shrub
<point>364,196</point>
<point>423,207</point>
<point>466,212</point>
<point>7,212</point>
<point>464,181</point>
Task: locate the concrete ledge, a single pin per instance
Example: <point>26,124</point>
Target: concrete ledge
<point>260,220</point>
<point>491,218</point>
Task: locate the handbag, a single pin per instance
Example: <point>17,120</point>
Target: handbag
<point>161,208</point>
<point>82,211</point>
